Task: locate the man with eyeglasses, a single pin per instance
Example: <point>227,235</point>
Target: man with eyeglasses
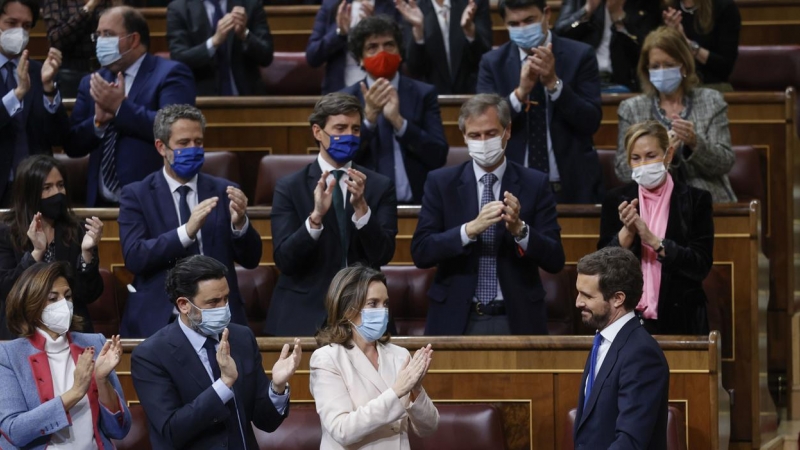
<point>116,106</point>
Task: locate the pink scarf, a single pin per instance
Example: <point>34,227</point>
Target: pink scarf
<point>654,210</point>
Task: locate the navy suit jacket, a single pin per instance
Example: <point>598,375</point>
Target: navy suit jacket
<point>308,266</point>
<point>158,83</point>
<point>148,229</point>
<point>183,409</point>
<point>451,200</point>
<point>423,145</point>
<point>326,47</point>
<point>627,407</point>
<point>43,130</point>
<point>574,117</point>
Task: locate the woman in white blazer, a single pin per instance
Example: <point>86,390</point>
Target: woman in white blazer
<point>368,392</point>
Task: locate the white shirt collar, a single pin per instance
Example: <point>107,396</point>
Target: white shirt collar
<point>499,172</point>
<point>438,9</point>
<point>174,185</point>
<point>610,332</point>
<point>324,165</point>
<point>547,40</point>
<point>134,68</point>
<point>196,339</point>
<point>4,60</point>
<point>395,81</point>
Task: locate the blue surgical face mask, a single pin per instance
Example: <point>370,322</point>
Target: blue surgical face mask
<point>213,321</point>
<point>527,36</point>
<point>666,81</point>
<point>107,50</point>
<point>343,148</point>
<point>187,162</point>
<point>373,323</point>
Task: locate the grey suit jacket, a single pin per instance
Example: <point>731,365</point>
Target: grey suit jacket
<point>709,162</point>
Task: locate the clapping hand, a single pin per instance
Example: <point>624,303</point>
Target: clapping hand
<point>375,98</point>
<point>684,130</point>
<point>355,185</point>
<point>24,83</point>
<point>50,68</point>
<point>238,207</point>
<point>343,14</point>
<point>286,366</point>
<point>468,19</point>
<point>94,232</point>
<point>628,213</point>
<point>411,372</point>
<point>413,15</point>
<point>417,389</point>
<point>108,359</point>
<point>227,366</point>
<point>37,237</point>
<point>108,95</point>
<point>673,18</point>
<point>323,196</point>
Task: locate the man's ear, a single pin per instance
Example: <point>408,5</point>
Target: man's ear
<point>619,299</point>
<point>318,133</point>
<point>182,303</point>
<point>161,147</point>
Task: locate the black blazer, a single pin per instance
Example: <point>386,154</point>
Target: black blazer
<point>641,17</point>
<point>188,30</point>
<point>628,404</point>
<point>183,409</point>
<point>308,266</point>
<point>87,287</point>
<point>722,42</point>
<point>574,117</point>
<point>451,200</point>
<point>428,61</point>
<point>689,249</point>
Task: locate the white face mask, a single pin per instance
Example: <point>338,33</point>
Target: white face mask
<point>57,317</point>
<point>650,175</point>
<point>486,153</point>
<point>14,40</point>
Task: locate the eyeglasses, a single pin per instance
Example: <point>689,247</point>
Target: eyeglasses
<point>105,34</point>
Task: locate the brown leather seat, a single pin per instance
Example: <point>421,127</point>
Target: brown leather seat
<point>256,286</point>
<point>301,430</point>
<point>138,437</point>
<point>290,74</point>
<point>610,180</point>
<point>747,174</point>
<point>464,427</point>
<point>676,430</point>
<point>223,165</point>
<point>766,68</point>
<point>273,168</point>
<point>408,298</point>
<point>456,156</point>
<point>560,298</point>
<point>104,311</point>
<point>77,170</point>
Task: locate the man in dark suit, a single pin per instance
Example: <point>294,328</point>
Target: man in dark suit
<point>224,42</point>
<point>200,378</point>
<point>32,118</point>
<point>177,212</point>
<point>488,225</point>
<point>622,400</point>
<point>328,42</point>
<point>449,38</point>
<point>112,120</point>
<point>327,216</point>
<point>615,29</point>
<point>403,134</point>
<point>554,90</point>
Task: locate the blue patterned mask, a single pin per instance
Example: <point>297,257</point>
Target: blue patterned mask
<point>343,148</point>
<point>187,162</point>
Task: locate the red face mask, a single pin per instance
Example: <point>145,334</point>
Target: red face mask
<point>382,65</point>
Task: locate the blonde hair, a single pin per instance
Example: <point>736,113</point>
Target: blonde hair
<point>642,129</point>
<point>671,42</point>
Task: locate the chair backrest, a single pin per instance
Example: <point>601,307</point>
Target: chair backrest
<point>223,165</point>
<point>610,180</point>
<point>301,430</point>
<point>290,74</point>
<point>256,287</point>
<point>464,425</point>
<point>560,298</point>
<point>138,437</point>
<point>676,430</point>
<point>104,311</point>
<point>274,167</point>
<point>408,292</point>
<point>456,156</point>
<point>747,174</point>
<point>766,68</point>
<point>77,172</point>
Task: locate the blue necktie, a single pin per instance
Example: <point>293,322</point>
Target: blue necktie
<point>486,290</point>
<point>223,57</point>
<point>598,339</point>
<point>186,213</point>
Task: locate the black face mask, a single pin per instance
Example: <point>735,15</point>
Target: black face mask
<point>55,207</point>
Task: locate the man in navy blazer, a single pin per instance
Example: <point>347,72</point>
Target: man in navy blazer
<point>555,100</point>
<point>112,120</point>
<point>622,400</point>
<point>403,137</point>
<point>200,379</point>
<point>487,225</point>
<point>177,212</point>
<point>328,42</point>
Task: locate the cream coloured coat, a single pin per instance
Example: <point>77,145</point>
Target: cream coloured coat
<point>356,404</point>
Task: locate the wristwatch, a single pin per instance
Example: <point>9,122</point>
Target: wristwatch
<point>694,46</point>
<point>523,233</point>
<point>339,32</point>
<point>660,247</point>
<point>555,88</point>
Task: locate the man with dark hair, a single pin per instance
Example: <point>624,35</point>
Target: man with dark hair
<point>112,120</point>
<point>403,134</point>
<point>32,118</point>
<point>224,42</point>
<point>176,212</point>
<point>200,378</point>
<point>622,401</point>
<point>553,87</point>
<point>492,218</point>
<point>327,216</point>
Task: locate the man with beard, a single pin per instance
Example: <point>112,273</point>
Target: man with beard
<point>622,401</point>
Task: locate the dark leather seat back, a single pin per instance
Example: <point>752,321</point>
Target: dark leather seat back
<point>560,298</point>
<point>610,180</point>
<point>223,165</point>
<point>747,174</point>
<point>138,437</point>
<point>456,156</point>
<point>766,68</point>
<point>301,430</point>
<point>408,297</point>
<point>77,172</point>
<point>290,74</point>
<point>273,168</point>
<point>464,426</point>
<point>104,311</point>
<point>676,430</point>
<point>256,286</point>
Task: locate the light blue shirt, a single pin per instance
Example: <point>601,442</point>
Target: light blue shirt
<point>401,184</point>
<point>10,101</point>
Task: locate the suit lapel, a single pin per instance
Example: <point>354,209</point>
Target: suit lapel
<point>184,355</point>
<point>457,39</point>
<point>436,39</point>
<point>142,76</point>
<point>365,368</point>
<point>329,219</point>
<point>467,192</point>
<point>205,190</point>
<point>511,184</point>
<point>513,66</point>
<point>387,364</point>
<point>159,189</point>
<point>199,16</point>
<point>678,206</point>
<point>561,59</point>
